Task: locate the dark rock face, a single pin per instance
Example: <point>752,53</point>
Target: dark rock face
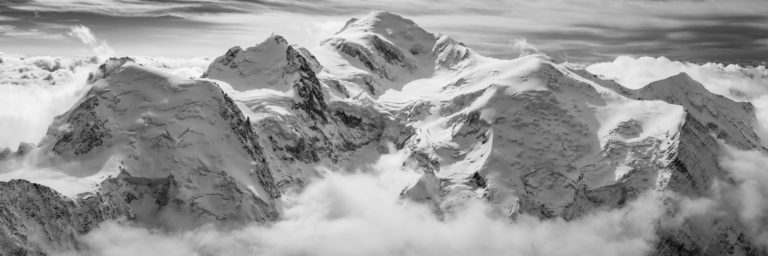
<point>86,132</point>
<point>227,59</point>
<point>359,52</point>
<point>159,201</point>
<point>347,119</point>
<point>301,138</point>
<point>108,67</point>
<point>311,99</point>
<point>242,127</point>
<point>382,59</point>
<point>315,130</point>
<point>35,220</point>
<point>391,53</point>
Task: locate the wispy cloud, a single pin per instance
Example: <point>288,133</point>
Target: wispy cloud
<point>580,30</point>
<point>14,32</point>
<point>84,34</point>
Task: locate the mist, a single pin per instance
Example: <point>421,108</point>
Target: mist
<point>360,213</point>
<point>29,103</point>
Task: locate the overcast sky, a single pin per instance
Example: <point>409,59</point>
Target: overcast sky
<point>732,31</point>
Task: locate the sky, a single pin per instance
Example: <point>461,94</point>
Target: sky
<point>732,31</point>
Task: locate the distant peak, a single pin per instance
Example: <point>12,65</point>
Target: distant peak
<point>275,39</point>
<point>108,67</point>
<point>681,84</point>
<point>680,77</point>
<point>273,63</point>
<point>379,21</point>
<point>385,15</point>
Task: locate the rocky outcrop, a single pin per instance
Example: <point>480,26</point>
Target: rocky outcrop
<point>36,220</point>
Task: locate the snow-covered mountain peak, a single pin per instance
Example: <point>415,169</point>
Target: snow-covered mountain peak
<point>383,51</point>
<point>392,27</point>
<point>730,120</point>
<point>170,151</point>
<point>681,83</point>
<point>272,64</point>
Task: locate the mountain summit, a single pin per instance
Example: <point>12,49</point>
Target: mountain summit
<point>387,51</point>
<point>272,64</point>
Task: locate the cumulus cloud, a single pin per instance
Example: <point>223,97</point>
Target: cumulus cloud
<point>748,168</point>
<point>86,36</point>
<point>362,214</point>
<point>83,33</point>
<point>761,112</point>
<point>523,47</point>
<point>33,90</point>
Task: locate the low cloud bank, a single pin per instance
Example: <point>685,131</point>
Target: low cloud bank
<point>33,90</point>
<point>362,214</point>
<point>732,81</point>
<point>749,193</point>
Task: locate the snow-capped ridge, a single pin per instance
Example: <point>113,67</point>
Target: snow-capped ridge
<point>272,64</point>
<point>37,220</point>
<point>187,137</point>
<point>729,120</point>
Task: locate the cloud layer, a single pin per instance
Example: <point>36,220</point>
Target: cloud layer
<point>361,214</point>
<point>33,91</point>
<point>577,31</point>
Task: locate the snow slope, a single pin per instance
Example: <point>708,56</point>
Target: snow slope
<point>383,51</point>
<point>303,121</point>
<point>170,152</point>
